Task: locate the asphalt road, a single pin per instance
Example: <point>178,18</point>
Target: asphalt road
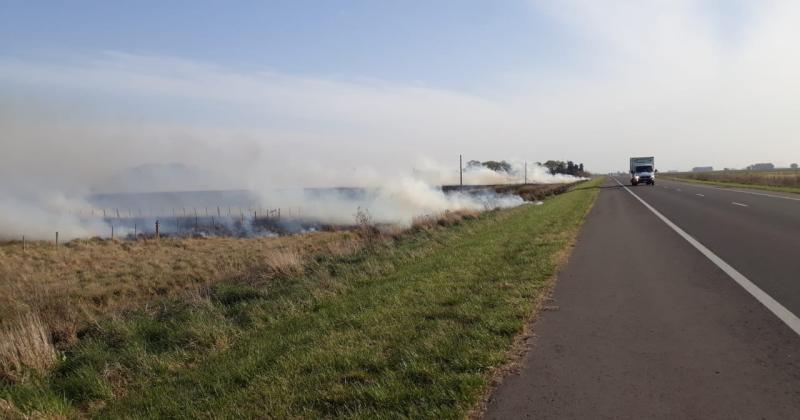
<point>647,326</point>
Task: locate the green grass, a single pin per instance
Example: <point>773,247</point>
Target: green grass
<point>412,328</point>
<point>725,184</point>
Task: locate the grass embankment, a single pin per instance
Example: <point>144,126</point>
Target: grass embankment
<point>413,325</point>
<point>779,181</point>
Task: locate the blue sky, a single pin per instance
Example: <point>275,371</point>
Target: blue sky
<point>309,88</point>
<point>455,44</point>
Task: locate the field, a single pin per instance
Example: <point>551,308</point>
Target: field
<point>365,323</point>
<point>785,180</point>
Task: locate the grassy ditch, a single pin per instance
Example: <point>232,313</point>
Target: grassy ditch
<point>406,325</point>
<point>779,180</point>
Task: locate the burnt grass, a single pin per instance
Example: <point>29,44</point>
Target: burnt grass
<point>271,224</point>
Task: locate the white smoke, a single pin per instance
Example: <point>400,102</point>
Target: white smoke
<point>40,214</point>
<point>395,202</point>
<point>127,123</point>
<point>38,211</point>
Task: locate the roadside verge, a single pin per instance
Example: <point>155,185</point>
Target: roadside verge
<point>413,328</point>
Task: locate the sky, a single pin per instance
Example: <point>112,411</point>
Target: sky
<point>333,92</point>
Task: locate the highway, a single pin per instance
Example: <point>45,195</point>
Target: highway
<point>679,301</point>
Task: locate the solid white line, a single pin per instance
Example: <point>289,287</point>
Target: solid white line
<point>790,319</point>
<point>739,204</point>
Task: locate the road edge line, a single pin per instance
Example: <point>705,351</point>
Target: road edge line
<point>791,320</point>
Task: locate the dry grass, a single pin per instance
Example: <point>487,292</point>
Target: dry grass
<point>25,345</point>
<point>780,178</point>
<point>448,218</point>
<point>76,284</point>
<point>73,285</point>
<point>533,192</point>
<point>9,411</point>
<point>48,295</point>
<point>284,261</point>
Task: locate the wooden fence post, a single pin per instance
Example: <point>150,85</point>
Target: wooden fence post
<point>157,232</point>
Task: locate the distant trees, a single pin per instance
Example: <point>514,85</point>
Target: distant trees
<point>793,166</point>
<point>761,167</point>
<point>567,168</point>
<point>553,166</point>
<point>494,165</point>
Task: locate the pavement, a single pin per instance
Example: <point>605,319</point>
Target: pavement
<point>653,323</point>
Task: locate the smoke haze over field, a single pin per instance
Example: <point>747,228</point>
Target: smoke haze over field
<point>110,99</point>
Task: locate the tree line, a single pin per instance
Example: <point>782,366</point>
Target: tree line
<point>553,166</point>
<point>566,168</point>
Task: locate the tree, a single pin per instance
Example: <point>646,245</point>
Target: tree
<point>501,166</point>
<point>794,166</point>
<point>556,166</point>
<point>571,168</point>
<point>567,168</point>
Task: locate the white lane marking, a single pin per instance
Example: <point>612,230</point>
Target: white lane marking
<point>739,204</point>
<point>700,195</point>
<point>742,191</point>
<point>790,319</point>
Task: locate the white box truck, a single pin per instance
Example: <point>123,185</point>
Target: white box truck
<point>643,170</point>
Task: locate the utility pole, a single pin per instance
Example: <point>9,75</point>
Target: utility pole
<point>526,172</point>
<point>460,174</point>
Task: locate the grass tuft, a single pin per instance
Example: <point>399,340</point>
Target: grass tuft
<point>25,346</point>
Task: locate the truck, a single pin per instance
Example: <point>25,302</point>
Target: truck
<point>643,170</point>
